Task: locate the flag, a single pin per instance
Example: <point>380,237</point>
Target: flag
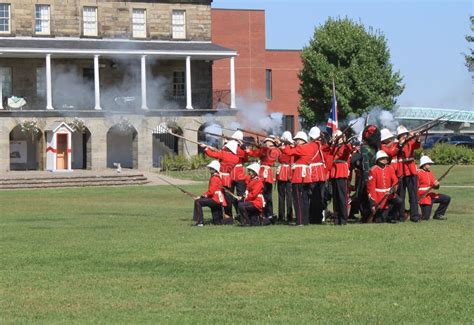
<point>331,126</point>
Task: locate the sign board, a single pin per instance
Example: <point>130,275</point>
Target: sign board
<point>18,152</point>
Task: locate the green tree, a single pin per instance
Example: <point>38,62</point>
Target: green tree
<point>470,57</point>
<point>359,63</point>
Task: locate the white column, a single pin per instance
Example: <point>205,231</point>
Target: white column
<point>49,92</point>
<point>1,91</point>
<point>144,103</point>
<point>232,83</point>
<point>189,99</point>
<point>97,82</point>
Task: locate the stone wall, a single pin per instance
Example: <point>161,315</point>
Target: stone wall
<point>99,127</point>
<point>114,18</point>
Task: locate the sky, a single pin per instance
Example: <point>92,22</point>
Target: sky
<point>426,39</point>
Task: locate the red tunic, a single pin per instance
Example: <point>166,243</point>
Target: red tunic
<point>254,192</point>
<point>228,161</point>
<point>318,164</point>
<point>238,173</point>
<point>267,157</point>
<point>328,158</point>
<point>340,166</point>
<point>284,170</point>
<point>302,156</point>
<point>406,159</point>
<point>425,181</point>
<point>392,152</point>
<point>379,183</point>
<point>214,190</point>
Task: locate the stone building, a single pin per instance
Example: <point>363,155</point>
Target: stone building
<point>118,73</point>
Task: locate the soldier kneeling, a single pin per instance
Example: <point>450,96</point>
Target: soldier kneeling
<point>381,186</point>
<point>251,208</point>
<point>213,198</point>
<point>426,183</point>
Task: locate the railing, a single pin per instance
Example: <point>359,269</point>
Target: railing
<point>424,113</point>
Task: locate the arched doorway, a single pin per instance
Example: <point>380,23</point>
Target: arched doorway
<point>81,148</point>
<point>122,146</point>
<point>203,137</point>
<point>165,143</point>
<point>26,147</point>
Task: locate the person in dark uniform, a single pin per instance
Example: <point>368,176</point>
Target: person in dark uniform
<point>213,198</point>
<point>427,181</point>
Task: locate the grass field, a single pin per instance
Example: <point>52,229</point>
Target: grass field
<point>129,255</point>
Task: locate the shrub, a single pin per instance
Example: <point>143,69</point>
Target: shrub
<point>446,154</point>
<point>199,161</point>
<point>172,162</point>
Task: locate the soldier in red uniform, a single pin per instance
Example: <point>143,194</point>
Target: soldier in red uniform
<point>284,183</point>
<point>213,198</point>
<point>390,146</point>
<point>426,181</point>
<point>238,173</point>
<point>228,159</point>
<point>268,155</point>
<point>381,180</point>
<point>302,155</point>
<point>339,175</point>
<point>252,207</point>
<point>318,178</point>
<point>407,172</point>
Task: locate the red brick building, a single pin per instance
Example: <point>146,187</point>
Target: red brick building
<point>262,74</point>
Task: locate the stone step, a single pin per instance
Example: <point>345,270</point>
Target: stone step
<point>72,180</point>
<point>71,184</point>
<point>70,177</point>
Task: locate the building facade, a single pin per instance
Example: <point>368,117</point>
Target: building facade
<point>120,74</point>
<point>263,75</point>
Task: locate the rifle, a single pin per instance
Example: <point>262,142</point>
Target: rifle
<point>238,198</point>
<point>426,128</point>
<point>430,122</point>
<point>378,205</point>
<point>222,127</point>
<point>224,137</point>
<point>178,187</point>
<point>344,131</point>
<point>439,180</point>
<point>192,141</point>
<point>252,132</point>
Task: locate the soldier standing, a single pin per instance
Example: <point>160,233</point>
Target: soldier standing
<point>284,183</point>
<point>318,177</point>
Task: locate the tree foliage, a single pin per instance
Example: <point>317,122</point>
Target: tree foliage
<point>470,57</point>
<point>359,63</point>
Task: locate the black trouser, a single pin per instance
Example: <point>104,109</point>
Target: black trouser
<point>285,201</point>
<point>364,204</point>
<point>250,214</point>
<point>409,183</point>
<point>316,205</point>
<point>267,195</point>
<point>216,210</point>
<point>301,203</point>
<point>443,201</point>
<point>240,187</point>
<point>229,199</point>
<point>391,212</point>
<point>339,200</point>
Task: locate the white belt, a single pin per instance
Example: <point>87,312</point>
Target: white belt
<point>424,188</point>
<point>284,165</point>
<point>220,196</point>
<point>394,161</point>
<point>382,190</point>
<point>303,171</point>
<point>225,174</point>
<point>408,159</point>
<point>265,166</point>
<point>316,164</point>
<point>239,165</point>
<point>263,199</point>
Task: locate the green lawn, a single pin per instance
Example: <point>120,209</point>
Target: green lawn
<point>129,255</point>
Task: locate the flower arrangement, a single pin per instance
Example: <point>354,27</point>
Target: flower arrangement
<point>77,125</point>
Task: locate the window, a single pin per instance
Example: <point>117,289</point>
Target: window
<point>179,84</point>
<point>42,25</point>
<point>179,24</point>
<point>289,123</point>
<point>89,17</point>
<point>139,23</point>
<point>4,18</point>
<point>41,82</point>
<point>268,80</point>
<point>6,80</point>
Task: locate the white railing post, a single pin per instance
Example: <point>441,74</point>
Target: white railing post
<point>49,91</point>
<point>97,82</point>
<point>189,94</point>
<point>143,83</point>
<point>232,83</point>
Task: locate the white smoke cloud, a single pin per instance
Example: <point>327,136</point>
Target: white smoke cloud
<point>378,116</point>
<point>253,115</point>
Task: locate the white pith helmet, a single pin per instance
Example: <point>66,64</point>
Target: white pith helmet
<point>287,136</point>
<point>314,133</point>
<point>269,139</point>
<point>425,160</point>
<point>232,146</point>
<point>338,133</point>
<point>385,134</point>
<point>381,154</point>
<point>216,165</point>
<point>401,130</point>
<point>238,135</point>
<point>301,136</point>
<point>255,167</point>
